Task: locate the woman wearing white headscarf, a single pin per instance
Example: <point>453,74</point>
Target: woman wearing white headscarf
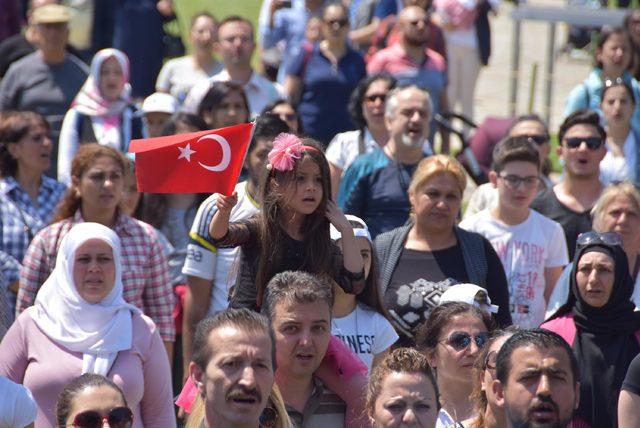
<point>102,112</point>
<point>81,324</point>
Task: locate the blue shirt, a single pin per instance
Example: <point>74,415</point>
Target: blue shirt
<point>375,188</point>
<point>326,90</point>
<point>385,8</point>
<point>289,25</point>
<point>17,211</point>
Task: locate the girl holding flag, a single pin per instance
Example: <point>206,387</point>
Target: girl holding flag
<point>292,230</point>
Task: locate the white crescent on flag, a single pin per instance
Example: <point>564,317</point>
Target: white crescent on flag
<point>226,153</point>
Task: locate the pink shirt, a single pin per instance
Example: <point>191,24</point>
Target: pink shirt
<point>29,357</point>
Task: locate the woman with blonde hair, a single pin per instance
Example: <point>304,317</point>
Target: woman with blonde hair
<point>420,260</point>
<point>617,210</point>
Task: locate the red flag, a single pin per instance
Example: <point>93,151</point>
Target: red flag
<point>197,162</point>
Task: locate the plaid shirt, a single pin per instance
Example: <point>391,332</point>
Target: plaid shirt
<point>145,271</point>
<point>13,199</point>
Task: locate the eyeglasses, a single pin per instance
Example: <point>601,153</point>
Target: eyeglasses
<point>593,143</point>
<point>537,139</point>
<point>461,340</point>
<point>490,360</point>
<point>337,22</point>
<point>119,417</point>
<point>514,181</point>
<point>609,239</point>
<point>415,22</point>
<point>289,117</point>
<point>374,97</point>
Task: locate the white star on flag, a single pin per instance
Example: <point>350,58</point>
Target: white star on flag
<point>186,152</point>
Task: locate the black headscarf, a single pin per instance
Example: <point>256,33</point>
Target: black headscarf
<point>605,340</point>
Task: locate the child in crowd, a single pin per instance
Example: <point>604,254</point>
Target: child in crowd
<point>359,321</point>
<point>292,230</point>
<point>158,108</point>
<point>532,247</point>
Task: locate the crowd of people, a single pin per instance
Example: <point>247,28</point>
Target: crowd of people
<point>346,280</point>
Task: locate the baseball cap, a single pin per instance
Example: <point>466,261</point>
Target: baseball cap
<point>358,231</point>
<point>471,294</point>
<point>51,14</point>
<point>159,102</point>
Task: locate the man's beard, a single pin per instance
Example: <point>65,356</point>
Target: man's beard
<point>412,142</point>
<point>516,420</point>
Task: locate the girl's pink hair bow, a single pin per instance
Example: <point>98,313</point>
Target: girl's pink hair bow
<point>287,148</point>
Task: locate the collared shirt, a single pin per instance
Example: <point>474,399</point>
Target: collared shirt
<point>431,74</point>
<point>323,409</point>
<point>17,210</point>
<point>259,91</point>
<point>145,271</point>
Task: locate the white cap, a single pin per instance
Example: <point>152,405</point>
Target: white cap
<point>159,102</point>
<point>471,294</point>
<point>362,231</point>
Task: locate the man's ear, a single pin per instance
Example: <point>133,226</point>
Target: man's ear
<point>498,392</point>
<point>493,178</point>
<point>559,150</point>
<point>197,376</point>
<point>431,358</point>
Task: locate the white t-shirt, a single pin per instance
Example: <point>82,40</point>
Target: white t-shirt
<point>17,406</point>
<point>179,75</point>
<point>620,168</point>
<point>525,251</point>
<point>204,260</point>
<point>365,332</point>
<point>344,148</point>
<point>260,92</point>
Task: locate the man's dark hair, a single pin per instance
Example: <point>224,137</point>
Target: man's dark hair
<point>267,126</point>
<point>236,18</point>
<point>296,287</point>
<point>513,149</point>
<point>538,338</point>
<point>242,319</point>
<point>581,117</point>
<point>530,117</point>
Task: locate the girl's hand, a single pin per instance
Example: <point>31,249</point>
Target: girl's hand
<point>226,203</point>
<point>337,217</point>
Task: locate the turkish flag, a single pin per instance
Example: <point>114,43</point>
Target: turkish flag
<point>197,162</point>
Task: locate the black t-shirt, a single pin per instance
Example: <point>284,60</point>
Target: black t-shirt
<point>421,277</point>
<point>632,380</point>
<point>573,223</point>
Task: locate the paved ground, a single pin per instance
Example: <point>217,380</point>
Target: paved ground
<point>492,92</point>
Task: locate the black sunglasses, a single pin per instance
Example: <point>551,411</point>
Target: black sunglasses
<point>537,139</point>
<point>373,97</point>
<point>461,340</point>
<point>119,417</point>
<point>609,239</point>
<point>593,143</point>
<point>338,22</point>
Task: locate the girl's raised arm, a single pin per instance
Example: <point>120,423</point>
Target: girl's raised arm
<point>352,258</point>
<point>220,222</point>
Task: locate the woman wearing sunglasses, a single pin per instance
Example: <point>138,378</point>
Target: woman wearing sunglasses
<point>612,62</point>
<point>80,323</point>
<point>490,415</point>
<point>623,141</point>
<point>402,392</point>
<point>599,321</point>
<point>453,336</point>
<point>89,401</point>
<point>617,210</point>
<point>366,107</point>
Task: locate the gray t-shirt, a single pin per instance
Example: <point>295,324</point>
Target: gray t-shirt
<point>31,84</point>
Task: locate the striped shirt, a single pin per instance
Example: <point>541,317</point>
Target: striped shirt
<point>145,271</point>
<point>323,409</point>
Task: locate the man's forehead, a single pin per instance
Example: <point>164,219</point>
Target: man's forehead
<point>299,312</point>
<point>530,356</point>
<point>582,129</point>
<point>229,337</point>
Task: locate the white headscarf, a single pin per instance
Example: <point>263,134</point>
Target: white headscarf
<point>98,330</point>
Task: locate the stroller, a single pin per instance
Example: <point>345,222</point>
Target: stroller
<point>476,152</point>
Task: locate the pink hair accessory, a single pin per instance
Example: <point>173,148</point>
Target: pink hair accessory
<point>287,148</point>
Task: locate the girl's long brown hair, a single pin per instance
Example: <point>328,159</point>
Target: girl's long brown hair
<point>317,240</point>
